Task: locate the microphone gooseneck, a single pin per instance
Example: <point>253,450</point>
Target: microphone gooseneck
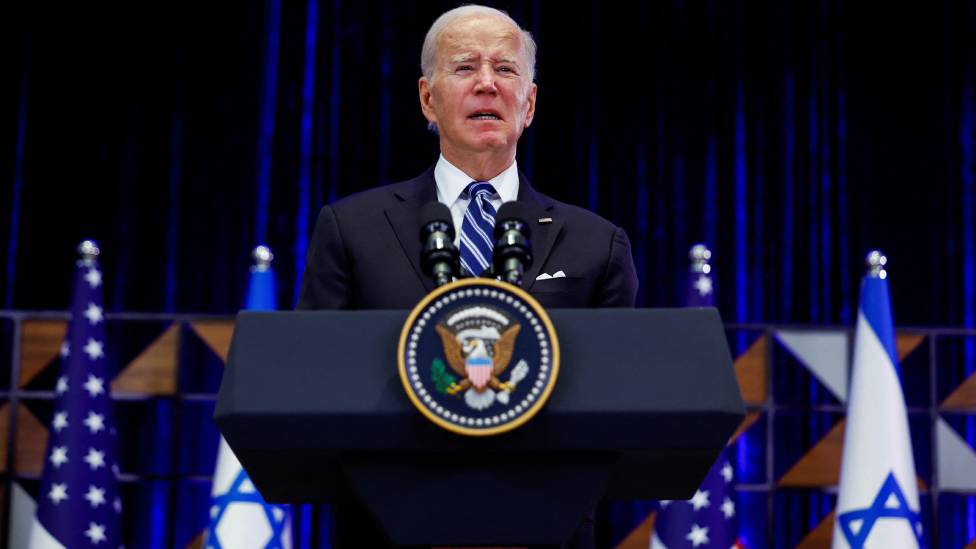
<point>513,250</point>
<point>439,259</point>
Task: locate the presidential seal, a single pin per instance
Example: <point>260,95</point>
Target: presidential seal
<point>478,357</point>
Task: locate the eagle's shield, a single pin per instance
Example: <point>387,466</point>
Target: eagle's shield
<point>478,370</point>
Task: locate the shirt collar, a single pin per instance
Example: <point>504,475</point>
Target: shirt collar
<point>451,182</point>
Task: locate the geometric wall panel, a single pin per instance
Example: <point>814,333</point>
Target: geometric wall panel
<point>31,443</point>
<point>22,511</point>
<point>824,353</point>
<point>197,542</point>
<point>40,344</point>
<point>906,342</point>
<point>216,334</point>
<point>640,537</point>
<point>750,372</point>
<point>957,461</point>
<point>820,466</point>
<point>153,372</point>
<point>964,397</point>
<point>748,421</point>
<point>821,536</point>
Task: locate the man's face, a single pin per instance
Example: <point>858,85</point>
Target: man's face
<point>481,97</point>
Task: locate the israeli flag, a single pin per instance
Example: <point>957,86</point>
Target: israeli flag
<point>239,516</point>
<point>877,503</point>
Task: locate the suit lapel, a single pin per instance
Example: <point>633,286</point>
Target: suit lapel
<point>544,235</point>
<point>404,218</point>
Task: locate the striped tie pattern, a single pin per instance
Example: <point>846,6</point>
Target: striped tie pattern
<point>477,229</point>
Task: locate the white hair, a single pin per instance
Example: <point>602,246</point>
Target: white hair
<point>428,56</point>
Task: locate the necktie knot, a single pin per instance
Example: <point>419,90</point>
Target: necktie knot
<point>480,189</point>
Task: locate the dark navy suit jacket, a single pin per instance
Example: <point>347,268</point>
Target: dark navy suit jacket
<point>365,252</point>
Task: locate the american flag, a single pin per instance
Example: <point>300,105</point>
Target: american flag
<point>79,505</point>
<point>708,519</point>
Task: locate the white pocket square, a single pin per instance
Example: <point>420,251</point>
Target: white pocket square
<point>547,276</point>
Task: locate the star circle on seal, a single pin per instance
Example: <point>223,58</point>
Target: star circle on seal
<point>478,357</point>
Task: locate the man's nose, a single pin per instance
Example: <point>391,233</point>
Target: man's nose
<point>486,80</point>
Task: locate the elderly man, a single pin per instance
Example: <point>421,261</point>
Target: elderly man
<point>478,95</point>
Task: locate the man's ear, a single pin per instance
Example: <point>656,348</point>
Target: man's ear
<point>530,112</point>
<point>424,88</point>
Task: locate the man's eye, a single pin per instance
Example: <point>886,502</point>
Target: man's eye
<point>506,69</point>
<point>462,68</point>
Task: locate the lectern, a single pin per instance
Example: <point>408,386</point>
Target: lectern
<point>312,405</point>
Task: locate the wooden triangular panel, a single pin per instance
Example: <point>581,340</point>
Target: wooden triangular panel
<point>31,443</point>
<point>639,537</point>
<point>216,334</point>
<point>197,542</point>
<point>4,432</point>
<point>750,370</point>
<point>906,343</point>
<point>821,536</point>
<point>153,372</point>
<point>964,397</point>
<point>40,343</point>
<point>820,466</point>
<point>748,421</point>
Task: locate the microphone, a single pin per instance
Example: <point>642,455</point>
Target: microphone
<point>513,251</point>
<point>439,259</point>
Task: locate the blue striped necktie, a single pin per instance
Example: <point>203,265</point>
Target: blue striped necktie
<point>477,229</point>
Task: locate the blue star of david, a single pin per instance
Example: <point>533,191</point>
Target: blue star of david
<point>878,510</point>
<point>234,495</point>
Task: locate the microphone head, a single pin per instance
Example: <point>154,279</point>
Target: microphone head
<point>435,216</point>
<point>512,211</point>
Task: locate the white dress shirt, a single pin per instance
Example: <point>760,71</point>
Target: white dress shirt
<point>451,182</point>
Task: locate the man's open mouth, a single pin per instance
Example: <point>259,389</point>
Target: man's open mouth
<point>484,115</point>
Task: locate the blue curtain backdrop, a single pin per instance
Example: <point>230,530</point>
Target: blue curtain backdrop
<point>790,138</point>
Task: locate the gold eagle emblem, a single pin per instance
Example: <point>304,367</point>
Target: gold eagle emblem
<point>457,355</point>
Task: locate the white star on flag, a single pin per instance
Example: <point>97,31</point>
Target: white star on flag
<point>93,277</point>
<point>60,421</point>
<point>95,459</point>
<point>94,422</point>
<point>117,505</point>
<point>58,493</point>
<point>95,532</point>
<point>698,535</point>
<point>95,496</point>
<point>65,349</point>
<point>94,349</point>
<point>94,385</point>
<point>93,313</point>
<point>59,455</point>
<point>703,284</point>
<point>62,385</point>
<point>727,472</point>
<point>699,500</point>
<point>728,508</point>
